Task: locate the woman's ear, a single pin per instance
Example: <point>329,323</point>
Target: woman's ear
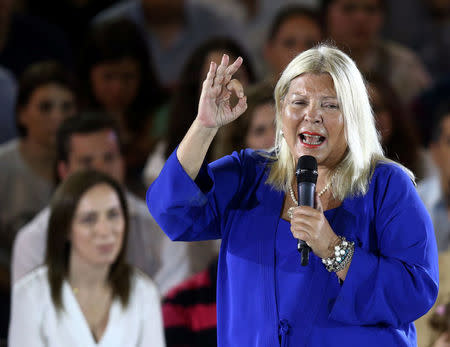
<point>62,169</point>
<point>22,116</point>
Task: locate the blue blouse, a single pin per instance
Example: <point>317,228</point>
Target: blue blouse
<point>264,296</point>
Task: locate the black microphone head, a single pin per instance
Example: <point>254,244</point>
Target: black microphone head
<point>307,169</point>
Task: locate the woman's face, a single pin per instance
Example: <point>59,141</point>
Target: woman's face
<point>46,109</point>
<point>383,117</point>
<point>354,24</point>
<point>261,132</point>
<point>115,84</point>
<point>295,35</point>
<point>312,122</point>
<point>98,227</point>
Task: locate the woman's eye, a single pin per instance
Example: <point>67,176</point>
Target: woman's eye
<point>332,106</point>
<point>67,106</point>
<point>113,214</point>
<point>259,131</point>
<point>89,219</point>
<point>45,106</point>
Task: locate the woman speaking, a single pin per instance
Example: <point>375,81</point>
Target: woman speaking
<point>373,267</point>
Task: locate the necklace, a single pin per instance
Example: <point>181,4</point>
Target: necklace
<point>291,192</point>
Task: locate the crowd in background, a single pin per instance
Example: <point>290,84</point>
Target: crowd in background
<point>113,86</point>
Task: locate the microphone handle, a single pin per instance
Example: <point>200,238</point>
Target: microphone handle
<point>304,250</point>
<point>305,198</point>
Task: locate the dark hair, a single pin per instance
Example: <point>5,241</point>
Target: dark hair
<point>403,144</point>
<point>36,76</point>
<point>232,136</point>
<point>184,107</point>
<point>442,111</point>
<point>63,206</point>
<point>440,320</point>
<point>287,13</point>
<point>113,40</point>
<point>325,6</point>
<point>84,123</point>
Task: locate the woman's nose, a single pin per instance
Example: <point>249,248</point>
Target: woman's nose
<point>313,115</point>
<point>103,227</point>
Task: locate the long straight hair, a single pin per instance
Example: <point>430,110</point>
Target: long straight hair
<point>63,206</point>
<point>351,176</point>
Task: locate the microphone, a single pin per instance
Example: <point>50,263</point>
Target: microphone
<point>306,185</point>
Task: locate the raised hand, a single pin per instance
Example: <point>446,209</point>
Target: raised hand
<point>214,109</point>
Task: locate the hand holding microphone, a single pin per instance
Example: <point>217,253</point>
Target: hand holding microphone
<point>306,174</point>
<point>308,224</point>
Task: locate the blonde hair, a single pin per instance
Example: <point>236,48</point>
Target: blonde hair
<point>352,174</point>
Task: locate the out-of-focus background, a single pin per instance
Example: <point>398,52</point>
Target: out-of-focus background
<point>140,64</point>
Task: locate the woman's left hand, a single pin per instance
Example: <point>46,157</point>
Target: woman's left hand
<point>310,225</point>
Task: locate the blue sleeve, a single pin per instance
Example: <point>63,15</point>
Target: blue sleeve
<point>190,210</point>
<point>398,283</point>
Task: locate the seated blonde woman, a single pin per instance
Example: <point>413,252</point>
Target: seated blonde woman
<point>85,294</point>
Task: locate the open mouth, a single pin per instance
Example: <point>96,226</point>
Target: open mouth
<point>311,139</point>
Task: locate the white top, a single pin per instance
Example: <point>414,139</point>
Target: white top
<point>155,163</point>
<point>35,321</point>
<point>23,193</point>
<point>431,193</point>
<point>168,263</point>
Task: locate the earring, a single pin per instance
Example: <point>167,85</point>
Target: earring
<point>281,133</point>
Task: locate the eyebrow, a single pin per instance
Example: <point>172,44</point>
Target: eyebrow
<point>82,214</point>
<point>96,211</point>
<point>323,97</point>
